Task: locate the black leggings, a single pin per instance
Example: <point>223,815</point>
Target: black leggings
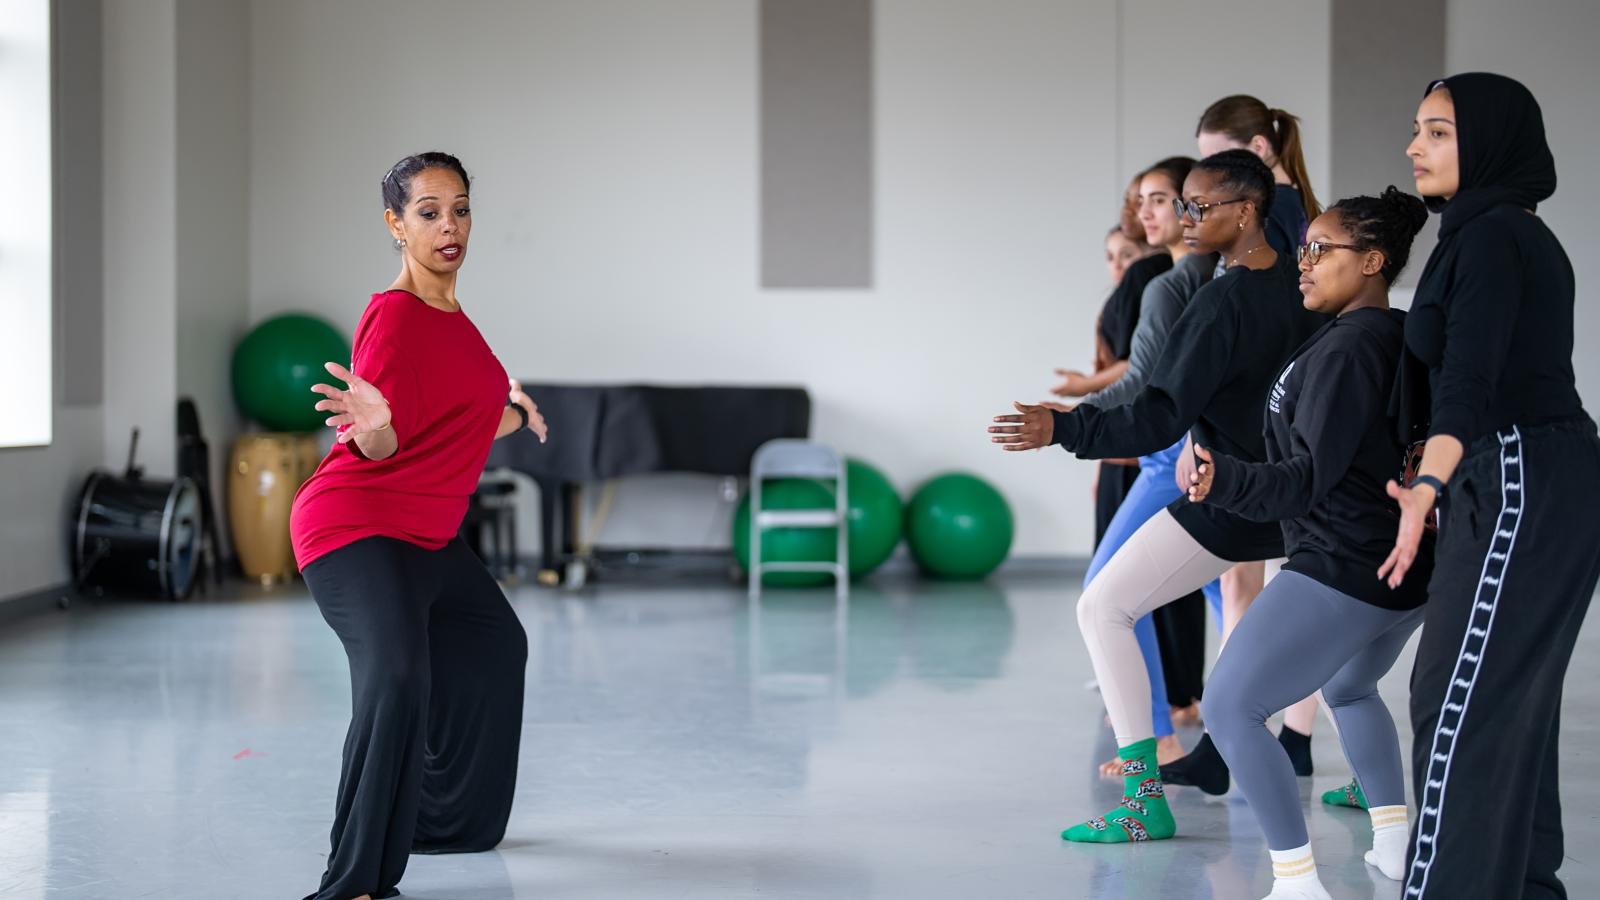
<point>437,660</point>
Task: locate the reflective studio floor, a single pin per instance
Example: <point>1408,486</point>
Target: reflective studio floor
<point>677,744</point>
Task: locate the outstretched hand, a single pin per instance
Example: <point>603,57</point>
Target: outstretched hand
<point>1073,384</point>
<point>1415,504</point>
<point>1205,472</point>
<point>536,422</point>
<point>1030,428</point>
<point>358,409</point>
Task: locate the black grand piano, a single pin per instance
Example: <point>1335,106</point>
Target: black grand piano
<point>601,432</point>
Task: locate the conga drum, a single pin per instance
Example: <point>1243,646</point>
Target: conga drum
<point>264,471</point>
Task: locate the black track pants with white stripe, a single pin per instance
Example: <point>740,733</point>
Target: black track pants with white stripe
<point>1518,558</point>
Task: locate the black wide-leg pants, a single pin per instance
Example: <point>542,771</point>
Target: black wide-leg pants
<point>1517,561</point>
<point>437,660</point>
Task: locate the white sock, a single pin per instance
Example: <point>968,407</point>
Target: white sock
<point>1294,876</point>
<point>1390,830</point>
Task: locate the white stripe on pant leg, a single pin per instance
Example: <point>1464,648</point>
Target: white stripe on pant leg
<point>1513,478</point>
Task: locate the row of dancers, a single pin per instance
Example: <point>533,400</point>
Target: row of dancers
<point>1332,474</point>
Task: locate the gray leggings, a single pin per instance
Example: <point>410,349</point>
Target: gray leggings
<point>1297,636</point>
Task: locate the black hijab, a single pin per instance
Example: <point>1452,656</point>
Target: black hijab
<point>1503,156</point>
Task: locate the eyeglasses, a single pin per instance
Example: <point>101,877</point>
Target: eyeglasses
<point>1197,211</point>
<point>1316,250</point>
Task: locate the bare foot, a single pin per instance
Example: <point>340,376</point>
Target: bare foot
<point>1185,716</point>
<point>364,897</point>
<point>1168,749</point>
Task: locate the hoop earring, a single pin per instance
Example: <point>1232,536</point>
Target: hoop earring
<point>399,244</point>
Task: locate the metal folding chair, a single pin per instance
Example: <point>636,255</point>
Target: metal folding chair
<point>794,458</point>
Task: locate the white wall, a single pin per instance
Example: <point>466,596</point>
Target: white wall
<point>211,278</point>
<point>140,73</point>
<point>1177,58</point>
<point>25,266</point>
<point>1549,46</point>
<point>37,484</point>
<point>615,150</point>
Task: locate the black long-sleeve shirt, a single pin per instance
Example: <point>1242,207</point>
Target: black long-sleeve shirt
<point>1330,451</point>
<point>1490,331</point>
<point>1213,376</point>
<point>1122,310</point>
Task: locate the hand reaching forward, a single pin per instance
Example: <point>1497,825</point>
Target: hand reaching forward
<point>1030,429</point>
<point>1073,384</point>
<point>358,409</point>
<point>536,422</point>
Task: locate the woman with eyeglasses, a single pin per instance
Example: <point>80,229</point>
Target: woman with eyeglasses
<point>1514,460</point>
<point>1325,621</point>
<point>1221,358</point>
<point>1171,684</point>
<point>1243,122</point>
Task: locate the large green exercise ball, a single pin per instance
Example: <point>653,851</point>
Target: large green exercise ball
<point>276,364</point>
<point>788,544</point>
<point>959,527</point>
<point>877,518</point>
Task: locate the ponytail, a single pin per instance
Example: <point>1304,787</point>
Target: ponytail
<point>1242,117</point>
<point>1293,158</point>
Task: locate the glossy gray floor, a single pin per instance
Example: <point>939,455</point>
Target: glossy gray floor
<point>676,743</point>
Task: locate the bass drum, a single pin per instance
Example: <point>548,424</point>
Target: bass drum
<point>138,536</point>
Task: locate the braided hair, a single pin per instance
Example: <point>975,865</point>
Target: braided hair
<point>397,181</point>
<point>1245,173</point>
<point>1388,224</point>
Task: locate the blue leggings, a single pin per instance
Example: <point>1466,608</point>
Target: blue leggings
<point>1155,488</point>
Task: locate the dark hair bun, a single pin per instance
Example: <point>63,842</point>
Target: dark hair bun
<point>1405,209</point>
<point>1388,223</point>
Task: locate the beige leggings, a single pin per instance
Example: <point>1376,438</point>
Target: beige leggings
<point>1157,565</point>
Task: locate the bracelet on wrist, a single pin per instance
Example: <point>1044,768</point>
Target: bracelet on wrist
<point>522,414</point>
<point>1430,481</point>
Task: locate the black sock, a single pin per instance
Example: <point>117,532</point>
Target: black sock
<point>1298,746</point>
<point>1203,768</point>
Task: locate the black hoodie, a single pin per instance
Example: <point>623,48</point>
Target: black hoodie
<point>1330,451</point>
<point>1489,338</point>
<point>1213,376</point>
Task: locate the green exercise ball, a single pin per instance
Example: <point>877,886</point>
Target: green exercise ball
<point>959,527</point>
<point>788,544</point>
<point>877,519</point>
<point>276,364</point>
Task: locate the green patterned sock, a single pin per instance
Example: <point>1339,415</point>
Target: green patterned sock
<point>1349,795</point>
<point>1143,815</point>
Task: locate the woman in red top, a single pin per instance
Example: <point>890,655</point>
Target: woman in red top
<point>436,654</point>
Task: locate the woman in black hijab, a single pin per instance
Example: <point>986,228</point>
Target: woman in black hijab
<point>1514,463</point>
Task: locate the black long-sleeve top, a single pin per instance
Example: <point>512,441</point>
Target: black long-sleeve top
<point>1120,314</point>
<point>1490,331</point>
<point>1489,339</point>
<point>1213,376</point>
<point>1330,450</point>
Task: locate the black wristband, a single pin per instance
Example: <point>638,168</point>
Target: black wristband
<point>522,414</point>
<point>1430,481</point>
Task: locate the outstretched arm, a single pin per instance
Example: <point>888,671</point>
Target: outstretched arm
<point>513,421</point>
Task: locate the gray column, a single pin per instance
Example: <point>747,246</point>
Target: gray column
<point>1383,55</point>
<point>816,143</point>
